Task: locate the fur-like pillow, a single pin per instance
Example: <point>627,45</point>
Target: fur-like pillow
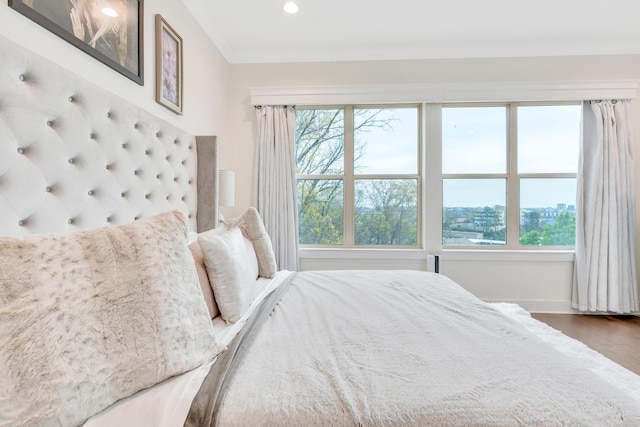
<point>229,271</point>
<point>90,317</point>
<point>252,226</point>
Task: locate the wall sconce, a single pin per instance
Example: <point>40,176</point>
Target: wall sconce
<point>227,190</point>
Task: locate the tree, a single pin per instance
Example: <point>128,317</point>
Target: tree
<point>320,151</point>
<point>386,212</point>
<point>562,232</point>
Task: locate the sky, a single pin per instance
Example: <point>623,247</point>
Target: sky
<point>475,141</point>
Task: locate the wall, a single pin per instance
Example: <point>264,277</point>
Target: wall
<point>205,70</point>
<point>538,282</point>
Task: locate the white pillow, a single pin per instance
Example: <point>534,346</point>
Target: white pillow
<point>229,271</point>
<point>90,317</point>
<point>251,225</point>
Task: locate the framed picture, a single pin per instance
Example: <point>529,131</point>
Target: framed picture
<point>109,30</point>
<point>168,66</point>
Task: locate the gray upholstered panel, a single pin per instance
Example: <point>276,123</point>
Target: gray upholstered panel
<point>73,156</point>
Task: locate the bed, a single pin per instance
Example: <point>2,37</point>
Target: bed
<point>122,304</point>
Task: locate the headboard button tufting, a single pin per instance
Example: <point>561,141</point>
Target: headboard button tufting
<point>70,221</point>
<point>48,189</point>
<point>21,77</point>
<point>71,99</point>
<point>22,222</point>
<point>90,192</point>
<point>20,150</point>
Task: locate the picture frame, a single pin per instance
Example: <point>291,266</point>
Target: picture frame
<point>113,35</point>
<point>168,66</point>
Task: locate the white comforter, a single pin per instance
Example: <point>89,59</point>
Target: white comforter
<point>405,347</point>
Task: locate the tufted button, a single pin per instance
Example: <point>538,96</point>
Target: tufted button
<point>123,195</point>
<point>183,198</point>
<point>124,145</point>
<point>108,114</point>
<point>167,158</point>
<point>21,150</point>
<point>108,167</point>
<point>190,182</point>
<point>109,219</point>
<point>71,160</point>
<point>190,216</point>
<point>137,217</point>
<point>22,222</point>
<point>146,196</point>
<point>21,77</point>
<point>90,192</point>
<point>167,197</point>
<point>71,99</point>
<point>136,172</point>
<point>184,162</point>
<point>147,152</point>
<point>158,134</point>
<point>49,123</point>
<point>71,220</point>
<point>48,189</point>
<point>158,176</point>
<point>92,135</point>
<point>190,146</point>
<point>175,179</point>
<point>176,141</point>
<point>135,126</point>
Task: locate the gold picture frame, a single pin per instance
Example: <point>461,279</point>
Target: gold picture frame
<point>112,35</point>
<point>168,66</point>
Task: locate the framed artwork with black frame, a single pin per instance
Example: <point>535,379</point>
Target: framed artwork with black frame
<point>109,30</point>
<point>168,66</point>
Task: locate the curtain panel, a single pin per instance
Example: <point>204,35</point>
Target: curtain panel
<point>605,273</point>
<point>276,181</point>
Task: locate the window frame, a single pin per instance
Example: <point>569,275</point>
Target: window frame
<point>512,178</point>
<point>349,177</point>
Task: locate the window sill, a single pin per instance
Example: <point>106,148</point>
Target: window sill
<point>445,254</point>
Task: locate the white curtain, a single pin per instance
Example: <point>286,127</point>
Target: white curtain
<point>276,176</point>
<point>605,274</point>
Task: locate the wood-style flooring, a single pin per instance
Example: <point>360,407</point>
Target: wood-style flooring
<point>616,337</point>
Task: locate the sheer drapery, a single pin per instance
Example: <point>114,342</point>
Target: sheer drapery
<point>276,181</point>
<point>605,274</point>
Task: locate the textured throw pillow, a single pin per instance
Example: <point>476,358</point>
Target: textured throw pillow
<point>90,317</point>
<point>251,225</point>
<point>203,278</point>
<point>228,268</point>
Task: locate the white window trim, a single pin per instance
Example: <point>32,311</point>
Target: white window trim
<point>446,92</point>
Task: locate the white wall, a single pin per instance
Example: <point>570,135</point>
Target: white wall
<point>205,70</point>
<point>539,283</point>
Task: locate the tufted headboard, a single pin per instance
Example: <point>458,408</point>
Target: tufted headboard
<point>74,156</point>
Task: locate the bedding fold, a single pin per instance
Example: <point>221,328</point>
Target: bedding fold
<point>383,348</point>
<point>205,406</point>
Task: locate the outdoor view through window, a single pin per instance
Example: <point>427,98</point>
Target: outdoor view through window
<point>508,175</point>
<point>486,173</point>
<point>358,176</point>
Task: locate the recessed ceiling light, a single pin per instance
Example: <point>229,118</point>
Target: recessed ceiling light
<point>109,12</point>
<point>291,7</point>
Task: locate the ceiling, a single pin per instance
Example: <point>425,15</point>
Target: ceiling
<point>259,31</point>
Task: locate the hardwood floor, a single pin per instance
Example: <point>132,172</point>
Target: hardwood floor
<point>616,337</point>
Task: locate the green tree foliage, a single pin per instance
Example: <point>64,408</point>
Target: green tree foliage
<point>386,212</point>
<point>562,232</point>
<point>383,214</point>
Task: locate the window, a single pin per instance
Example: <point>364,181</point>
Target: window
<point>509,174</point>
<point>358,175</point>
